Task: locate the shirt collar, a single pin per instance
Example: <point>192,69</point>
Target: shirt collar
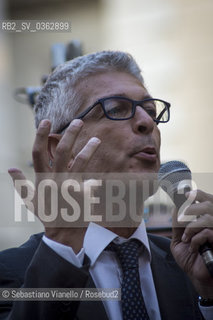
<point>97,238</point>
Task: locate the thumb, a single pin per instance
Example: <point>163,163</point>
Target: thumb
<point>25,190</point>
<point>177,227</point>
<point>16,174</point>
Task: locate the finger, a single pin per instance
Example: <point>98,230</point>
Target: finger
<point>205,221</point>
<point>40,147</point>
<point>64,148</point>
<point>200,195</point>
<point>16,174</point>
<point>177,227</point>
<point>198,209</point>
<point>193,211</point>
<point>26,190</point>
<point>85,155</point>
<point>200,238</point>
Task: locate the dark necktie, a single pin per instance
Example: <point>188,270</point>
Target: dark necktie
<point>133,306</point>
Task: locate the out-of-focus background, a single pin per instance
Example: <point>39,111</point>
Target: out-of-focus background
<point>172,42</point>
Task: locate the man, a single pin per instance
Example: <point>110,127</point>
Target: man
<point>116,132</point>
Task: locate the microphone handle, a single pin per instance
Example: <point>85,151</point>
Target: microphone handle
<point>206,252</point>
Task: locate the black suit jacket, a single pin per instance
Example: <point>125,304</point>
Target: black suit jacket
<point>35,265</point>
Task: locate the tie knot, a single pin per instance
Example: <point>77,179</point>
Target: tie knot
<point>127,253</point>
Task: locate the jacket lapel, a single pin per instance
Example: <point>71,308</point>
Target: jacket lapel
<point>91,309</point>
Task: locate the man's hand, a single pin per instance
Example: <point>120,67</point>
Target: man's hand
<point>187,240</point>
<point>63,166</point>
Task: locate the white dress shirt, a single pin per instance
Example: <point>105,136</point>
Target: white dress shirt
<point>106,271</point>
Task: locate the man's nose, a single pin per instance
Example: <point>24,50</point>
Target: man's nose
<point>142,121</point>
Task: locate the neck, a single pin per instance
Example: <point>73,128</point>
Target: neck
<point>129,223</point>
<point>123,232</point>
<point>128,230</point>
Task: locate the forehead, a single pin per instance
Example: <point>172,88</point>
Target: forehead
<point>108,84</point>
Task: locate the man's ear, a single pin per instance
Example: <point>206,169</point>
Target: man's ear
<point>53,141</point>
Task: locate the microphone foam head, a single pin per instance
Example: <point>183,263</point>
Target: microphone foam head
<point>173,172</point>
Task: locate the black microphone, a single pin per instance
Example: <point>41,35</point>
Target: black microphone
<point>175,179</point>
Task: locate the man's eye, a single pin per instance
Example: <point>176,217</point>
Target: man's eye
<point>95,113</point>
<point>115,111</point>
<point>150,108</point>
<point>120,111</point>
<point>151,112</point>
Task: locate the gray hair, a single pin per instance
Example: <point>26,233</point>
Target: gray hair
<point>59,101</point>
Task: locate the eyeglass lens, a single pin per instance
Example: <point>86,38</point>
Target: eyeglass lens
<point>118,108</point>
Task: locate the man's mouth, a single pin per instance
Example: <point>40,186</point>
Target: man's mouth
<point>147,153</point>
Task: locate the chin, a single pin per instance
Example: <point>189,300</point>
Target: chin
<point>146,167</point>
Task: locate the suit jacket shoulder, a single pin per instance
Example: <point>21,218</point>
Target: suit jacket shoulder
<point>35,265</point>
<point>14,262</point>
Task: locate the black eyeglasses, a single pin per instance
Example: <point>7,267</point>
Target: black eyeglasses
<point>122,108</point>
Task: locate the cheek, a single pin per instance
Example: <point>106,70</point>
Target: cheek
<point>87,133</point>
<point>109,135</point>
<point>80,142</point>
<point>113,140</point>
<point>112,148</point>
<point>157,137</point>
